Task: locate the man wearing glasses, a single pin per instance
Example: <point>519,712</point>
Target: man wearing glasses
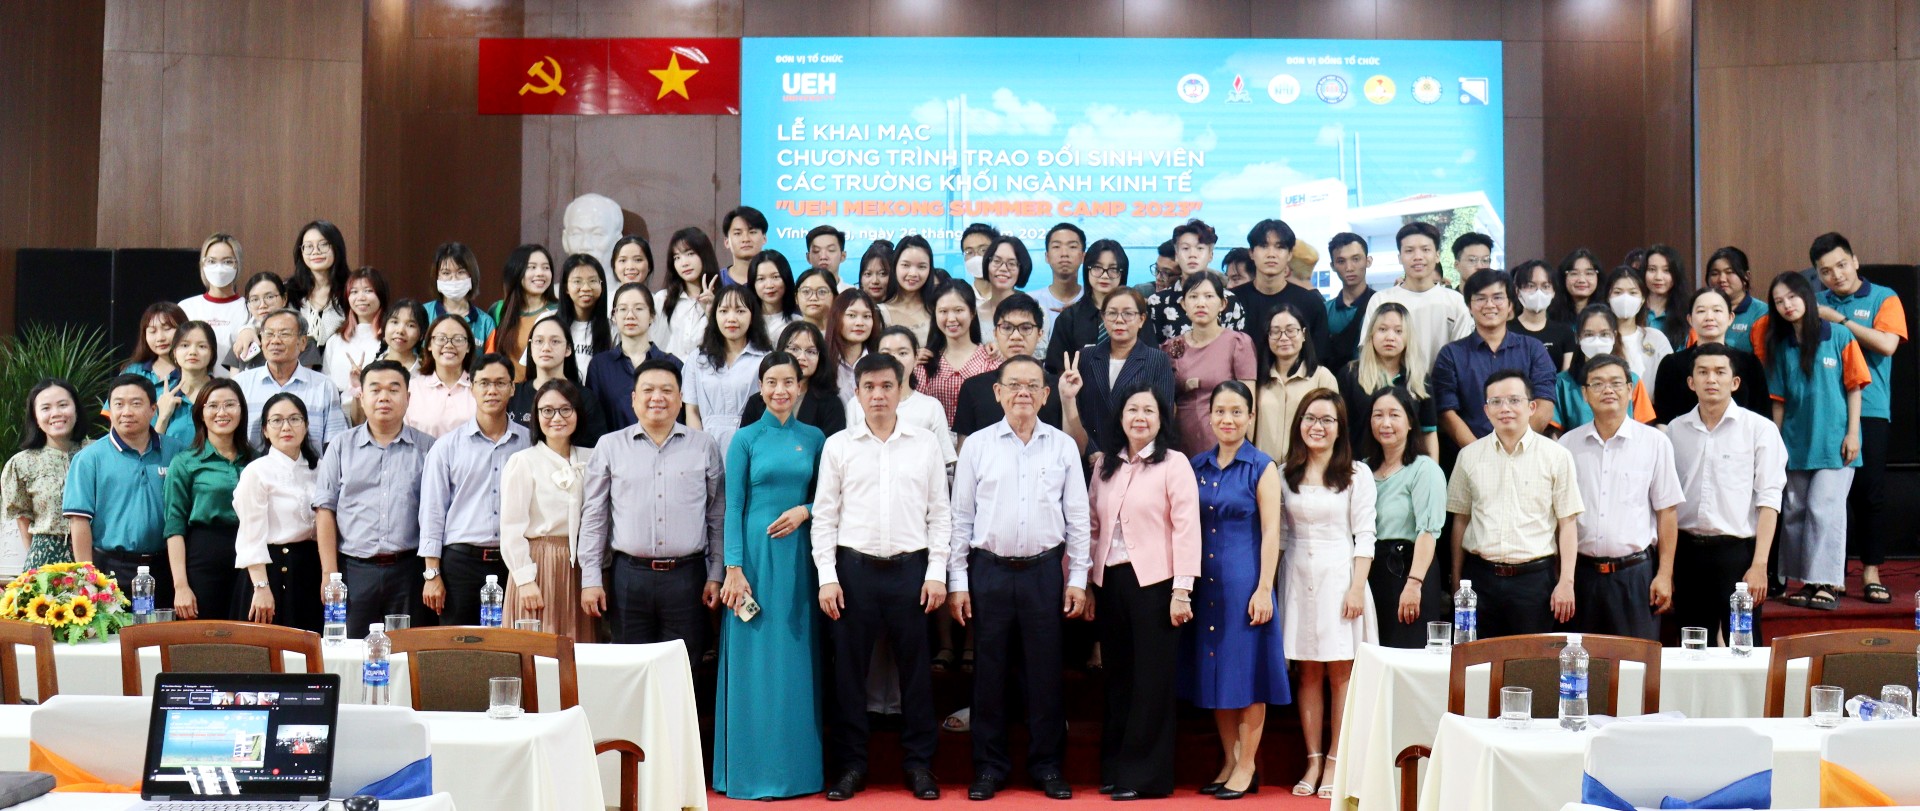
<point>1515,506</point>
<point>460,498</point>
<point>282,333</point>
<point>1632,492</point>
<point>1016,329</point>
<point>1461,370</point>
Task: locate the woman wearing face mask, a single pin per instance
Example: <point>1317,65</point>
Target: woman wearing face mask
<point>1388,360</point>
<point>1537,289</point>
<point>1079,325</point>
<point>192,355</point>
<point>1579,282</point>
<point>319,284</point>
<point>876,269</point>
<point>456,277</point>
<point>955,352</point>
<point>34,481</point>
<point>723,375</point>
<point>222,306</point>
<point>813,296</point>
<point>908,300</point>
<point>819,405</point>
<point>201,526</point>
<point>611,375</point>
<point>1669,290</point>
<point>680,306</point>
<point>1599,334</point>
<point>530,297</point>
<point>632,263</point>
<point>359,340</point>
<point>550,357</point>
<point>773,286</point>
<point>1641,345</point>
<point>405,335</point>
<point>585,285</point>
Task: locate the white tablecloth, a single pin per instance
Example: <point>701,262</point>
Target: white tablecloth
<point>1396,697</point>
<point>115,802</point>
<point>1479,766</point>
<point>640,693</point>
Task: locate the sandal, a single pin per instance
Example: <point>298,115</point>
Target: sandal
<point>1801,598</point>
<point>1326,779</point>
<point>1304,788</point>
<point>943,661</point>
<point>1878,594</point>
<point>960,721</point>
<point>966,661</point>
<point>1823,599</point>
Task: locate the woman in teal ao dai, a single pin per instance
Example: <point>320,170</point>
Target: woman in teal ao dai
<point>766,738</point>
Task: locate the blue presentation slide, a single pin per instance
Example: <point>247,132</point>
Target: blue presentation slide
<point>236,739</point>
<point>1126,138</point>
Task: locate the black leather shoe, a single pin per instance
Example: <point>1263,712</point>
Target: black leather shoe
<point>1108,788</point>
<point>985,786</point>
<point>1124,794</point>
<point>1212,788</point>
<point>1253,787</point>
<point>849,784</point>
<point>922,784</point>
<point>1054,786</point>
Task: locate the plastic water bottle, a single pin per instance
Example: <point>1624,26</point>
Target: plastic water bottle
<point>1916,611</point>
<point>1873,709</point>
<point>493,601</point>
<point>1573,685</point>
<point>1466,614</point>
<point>333,601</point>
<point>374,673</point>
<point>142,595</point>
<point>1740,621</point>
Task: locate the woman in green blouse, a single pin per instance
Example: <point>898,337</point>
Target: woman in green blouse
<point>35,479</point>
<point>200,522</point>
<point>1410,501</point>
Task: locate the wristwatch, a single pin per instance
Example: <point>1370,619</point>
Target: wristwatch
<point>430,573</point>
<point>261,584</point>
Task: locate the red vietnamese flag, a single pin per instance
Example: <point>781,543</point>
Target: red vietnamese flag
<point>674,76</point>
<point>543,76</point>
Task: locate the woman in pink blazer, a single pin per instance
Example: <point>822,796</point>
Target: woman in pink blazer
<point>1146,554</point>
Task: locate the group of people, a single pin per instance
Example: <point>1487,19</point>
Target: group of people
<point>930,470</point>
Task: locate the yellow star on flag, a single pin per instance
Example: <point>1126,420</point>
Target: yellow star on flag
<point>673,79</point>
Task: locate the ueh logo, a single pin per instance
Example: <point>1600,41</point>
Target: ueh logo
<point>1192,88</point>
<point>808,86</point>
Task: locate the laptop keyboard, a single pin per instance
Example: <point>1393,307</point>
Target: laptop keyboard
<point>229,805</point>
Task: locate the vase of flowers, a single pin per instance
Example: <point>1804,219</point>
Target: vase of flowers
<point>80,603</point>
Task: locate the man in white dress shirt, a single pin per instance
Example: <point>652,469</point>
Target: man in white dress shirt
<point>1632,496</point>
<point>881,533</point>
<point>1733,467</point>
<point>1019,508</point>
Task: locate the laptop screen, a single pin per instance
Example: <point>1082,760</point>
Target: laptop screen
<point>242,735</point>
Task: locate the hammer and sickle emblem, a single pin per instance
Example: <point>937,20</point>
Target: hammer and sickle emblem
<point>552,80</point>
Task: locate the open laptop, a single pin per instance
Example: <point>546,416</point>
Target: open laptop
<point>234,741</point>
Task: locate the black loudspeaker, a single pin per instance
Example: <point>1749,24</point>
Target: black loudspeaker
<point>1904,428</point>
<point>102,288</point>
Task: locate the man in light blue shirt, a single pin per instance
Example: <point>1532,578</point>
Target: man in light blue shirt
<point>366,504</point>
<point>115,492</point>
<point>460,498</point>
<point>1019,507</point>
<point>281,334</point>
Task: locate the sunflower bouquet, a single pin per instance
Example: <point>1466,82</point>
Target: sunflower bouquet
<point>76,600</point>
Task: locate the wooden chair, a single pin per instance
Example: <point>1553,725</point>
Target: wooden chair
<point>1533,661</point>
<point>214,646</point>
<point>40,638</point>
<point>1858,660</point>
<point>448,669</point>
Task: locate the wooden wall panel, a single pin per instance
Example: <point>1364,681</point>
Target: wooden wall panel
<point>1315,19</point>
<point>280,29</point>
<point>1908,159</point>
<point>1593,20</point>
<point>130,148</point>
<point>1794,32</point>
<point>917,18</point>
<point>1438,19</point>
<point>1187,18</point>
<point>1669,121</point>
<point>1091,18</point>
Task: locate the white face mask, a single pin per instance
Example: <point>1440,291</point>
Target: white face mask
<point>219,274</point>
<point>974,265</point>
<point>1625,305</point>
<point>1536,300</point>
<point>454,288</point>
<point>1596,346</point>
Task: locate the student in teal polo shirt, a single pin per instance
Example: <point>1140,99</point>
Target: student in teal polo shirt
<point>115,496</point>
<point>1879,323</point>
<point>1816,371</point>
<point>1727,272</point>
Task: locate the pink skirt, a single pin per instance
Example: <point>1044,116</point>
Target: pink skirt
<point>559,584</point>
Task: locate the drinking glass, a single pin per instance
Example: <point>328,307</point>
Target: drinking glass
<point>1898,695</point>
<point>399,622</point>
<point>1516,707</point>
<point>163,615</point>
<point>1694,642</point>
<point>503,697</point>
<point>1827,703</point>
<point>1439,637</point>
<point>527,625</point>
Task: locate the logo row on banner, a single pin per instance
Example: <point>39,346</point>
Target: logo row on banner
<point>609,77</point>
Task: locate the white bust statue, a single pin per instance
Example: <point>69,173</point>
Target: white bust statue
<point>591,225</point>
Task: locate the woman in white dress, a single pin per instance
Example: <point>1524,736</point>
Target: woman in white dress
<point>1329,510</point>
<point>724,374</point>
<point>681,305</point>
<point>540,491</point>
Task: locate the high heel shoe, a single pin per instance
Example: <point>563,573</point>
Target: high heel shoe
<point>1326,779</point>
<point>1213,788</point>
<point>1253,787</point>
<point>1304,788</point>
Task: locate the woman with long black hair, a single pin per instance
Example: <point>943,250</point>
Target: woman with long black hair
<point>319,283</point>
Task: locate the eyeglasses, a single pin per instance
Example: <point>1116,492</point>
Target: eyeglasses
<point>1004,264</point>
<point>1023,330</point>
<point>1106,270</point>
<point>815,292</point>
<point>1123,316</point>
<point>1323,422</point>
<point>492,385</point>
<point>1496,300</point>
<point>264,299</point>
<point>315,247</point>
<point>1506,402</point>
<point>556,412</point>
<point>279,335</point>
<point>1285,332</point>
<point>584,282</point>
<point>809,352</point>
<point>631,309</point>
<point>289,421</point>
<point>449,340</point>
<point>557,343</point>
<point>1608,385</point>
<point>1022,388</point>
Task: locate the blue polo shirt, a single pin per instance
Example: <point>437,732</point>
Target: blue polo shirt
<point>1816,404</point>
<point>1459,378</point>
<point>123,492</point>
<point>1873,306</point>
<point>1740,332</point>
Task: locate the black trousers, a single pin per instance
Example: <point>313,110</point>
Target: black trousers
<point>1614,603</point>
<point>1512,605</point>
<point>1388,577</point>
<point>1867,501</point>
<point>1704,571</point>
<point>123,566</point>
<point>1017,607</point>
<point>293,577</point>
<point>883,599</point>
<point>660,606</point>
<point>1140,648</point>
<point>382,585</point>
<point>464,568</point>
<point>210,571</point>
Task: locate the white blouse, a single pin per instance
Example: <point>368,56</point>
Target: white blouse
<point>274,501</point>
<point>539,498</point>
<point>347,354</point>
<point>677,333</point>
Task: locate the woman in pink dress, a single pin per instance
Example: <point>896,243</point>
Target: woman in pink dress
<point>1206,356</point>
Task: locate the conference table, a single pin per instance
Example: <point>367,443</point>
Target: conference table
<point>1397,697</point>
<point>641,693</point>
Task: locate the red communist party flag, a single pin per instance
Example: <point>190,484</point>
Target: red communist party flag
<point>674,76</point>
<point>544,76</point>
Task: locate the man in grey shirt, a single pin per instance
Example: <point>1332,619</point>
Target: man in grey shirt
<point>366,501</point>
<point>663,526</point>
